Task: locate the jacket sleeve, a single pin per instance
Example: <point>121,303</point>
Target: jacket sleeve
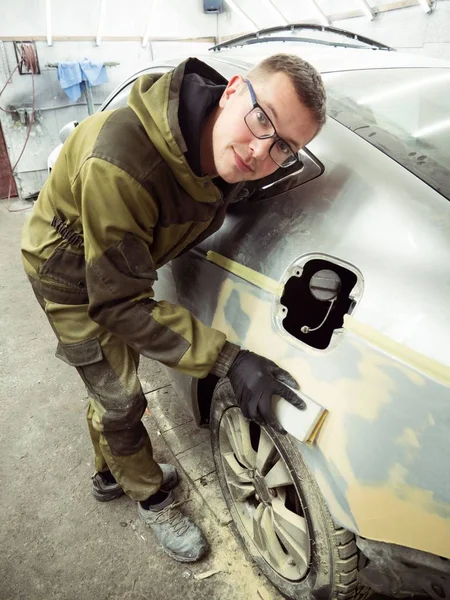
<point>118,218</point>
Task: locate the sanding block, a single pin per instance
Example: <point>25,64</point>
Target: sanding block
<point>304,425</point>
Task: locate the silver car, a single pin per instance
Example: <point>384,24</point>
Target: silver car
<point>338,270</point>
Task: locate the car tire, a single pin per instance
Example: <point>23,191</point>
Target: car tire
<point>287,529</point>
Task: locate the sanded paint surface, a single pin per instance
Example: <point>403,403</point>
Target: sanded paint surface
<point>423,363</point>
<point>378,458</point>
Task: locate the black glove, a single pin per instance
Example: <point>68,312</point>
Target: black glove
<point>255,380</point>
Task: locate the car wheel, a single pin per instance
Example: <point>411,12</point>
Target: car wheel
<point>277,509</point>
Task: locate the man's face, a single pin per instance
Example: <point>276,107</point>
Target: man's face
<point>240,156</point>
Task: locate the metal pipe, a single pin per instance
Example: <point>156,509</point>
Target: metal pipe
<point>44,108</point>
<point>88,95</point>
<point>106,64</point>
<point>275,7</point>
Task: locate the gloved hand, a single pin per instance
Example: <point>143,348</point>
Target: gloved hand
<point>255,380</point>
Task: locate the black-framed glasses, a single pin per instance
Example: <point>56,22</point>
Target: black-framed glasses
<point>262,128</point>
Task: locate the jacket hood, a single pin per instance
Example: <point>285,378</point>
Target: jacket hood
<point>155,99</point>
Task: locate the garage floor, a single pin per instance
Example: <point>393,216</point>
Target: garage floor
<point>57,542</point>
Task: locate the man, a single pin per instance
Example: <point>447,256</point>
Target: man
<point>132,189</point>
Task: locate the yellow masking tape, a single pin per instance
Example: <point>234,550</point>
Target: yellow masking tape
<point>262,281</point>
<point>428,366</point>
<point>315,432</point>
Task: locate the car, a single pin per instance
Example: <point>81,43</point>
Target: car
<point>338,270</point>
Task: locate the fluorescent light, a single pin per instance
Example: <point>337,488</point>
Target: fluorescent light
<point>367,10</point>
<point>402,89</point>
<point>239,11</point>
<point>432,129</point>
<point>426,5</point>
<point>48,11</point>
<point>278,11</point>
<point>100,22</point>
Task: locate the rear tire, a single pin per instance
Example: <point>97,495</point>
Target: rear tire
<point>279,514</point>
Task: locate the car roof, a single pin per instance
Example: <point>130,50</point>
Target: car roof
<point>326,59</point>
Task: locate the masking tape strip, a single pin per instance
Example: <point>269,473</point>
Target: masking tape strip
<point>315,432</point>
<point>258,279</point>
<point>428,366</point>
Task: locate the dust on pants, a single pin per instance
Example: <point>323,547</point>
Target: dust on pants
<point>108,368</point>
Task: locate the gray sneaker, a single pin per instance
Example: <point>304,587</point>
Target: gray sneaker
<point>180,538</point>
<point>104,491</point>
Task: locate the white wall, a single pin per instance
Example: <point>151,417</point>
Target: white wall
<point>124,18</point>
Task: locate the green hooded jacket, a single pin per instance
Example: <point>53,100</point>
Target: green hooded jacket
<point>127,202</point>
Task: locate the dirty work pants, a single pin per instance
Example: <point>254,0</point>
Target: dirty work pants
<point>108,368</point>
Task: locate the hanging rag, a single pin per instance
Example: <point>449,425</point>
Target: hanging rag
<point>70,78</point>
<point>72,74</point>
<point>94,72</point>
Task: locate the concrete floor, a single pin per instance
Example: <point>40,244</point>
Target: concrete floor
<point>57,542</point>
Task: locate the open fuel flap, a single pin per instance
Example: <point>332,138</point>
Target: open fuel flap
<point>318,291</point>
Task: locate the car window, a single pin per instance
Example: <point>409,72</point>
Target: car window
<point>120,99</point>
<point>403,112</point>
<point>284,180</point>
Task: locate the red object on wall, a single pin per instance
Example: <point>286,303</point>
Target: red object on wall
<point>5,171</point>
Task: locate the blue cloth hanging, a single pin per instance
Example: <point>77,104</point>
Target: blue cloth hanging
<point>70,77</point>
<point>72,74</point>
<point>94,72</point>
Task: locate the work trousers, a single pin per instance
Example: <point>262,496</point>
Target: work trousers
<point>108,367</point>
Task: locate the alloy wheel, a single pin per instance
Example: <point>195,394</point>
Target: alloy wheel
<point>264,494</point>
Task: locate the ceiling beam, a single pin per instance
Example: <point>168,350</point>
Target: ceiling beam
<point>48,17</point>
<point>101,21</point>
<point>149,24</point>
<point>237,9</point>
<point>367,10</point>
<point>322,16</point>
<point>426,5</point>
<point>278,11</point>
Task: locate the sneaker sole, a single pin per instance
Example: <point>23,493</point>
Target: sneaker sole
<point>183,559</point>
